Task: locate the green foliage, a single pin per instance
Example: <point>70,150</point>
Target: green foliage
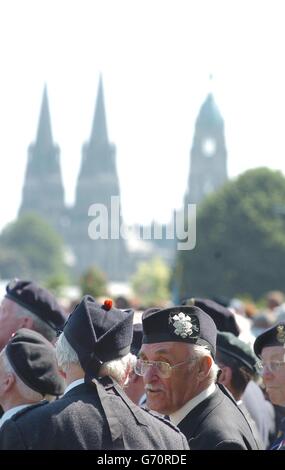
<point>30,248</point>
<point>93,282</point>
<point>240,244</point>
<point>56,283</point>
<point>150,282</point>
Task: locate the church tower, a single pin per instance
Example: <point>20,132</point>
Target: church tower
<point>97,179</point>
<point>97,183</point>
<point>43,191</point>
<point>208,170</point>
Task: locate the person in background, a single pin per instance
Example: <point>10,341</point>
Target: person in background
<point>28,373</point>
<point>122,302</point>
<point>27,305</point>
<point>261,410</point>
<point>268,317</point>
<point>238,307</point>
<point>238,365</point>
<point>135,386</point>
<point>270,348</point>
<point>223,318</point>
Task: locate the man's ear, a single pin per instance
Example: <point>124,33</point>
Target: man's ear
<point>205,364</point>
<point>26,322</point>
<point>225,376</point>
<point>62,373</point>
<point>129,372</point>
<point>8,382</point>
<point>133,377</point>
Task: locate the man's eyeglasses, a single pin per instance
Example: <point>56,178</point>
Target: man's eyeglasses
<point>271,366</point>
<point>163,369</point>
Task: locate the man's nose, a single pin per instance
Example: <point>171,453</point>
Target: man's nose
<point>151,373</point>
<point>266,372</point>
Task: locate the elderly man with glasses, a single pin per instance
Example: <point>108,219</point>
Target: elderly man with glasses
<point>270,348</point>
<point>177,363</point>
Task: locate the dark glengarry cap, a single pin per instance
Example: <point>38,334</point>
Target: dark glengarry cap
<point>98,333</point>
<point>229,344</point>
<point>274,336</point>
<point>222,316</point>
<point>137,338</point>
<point>33,359</point>
<point>179,324</point>
<point>37,300</point>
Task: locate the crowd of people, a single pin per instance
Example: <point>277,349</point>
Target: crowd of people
<point>200,375</point>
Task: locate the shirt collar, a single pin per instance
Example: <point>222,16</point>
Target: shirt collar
<point>142,400</point>
<point>11,412</point>
<point>180,414</point>
<point>73,384</point>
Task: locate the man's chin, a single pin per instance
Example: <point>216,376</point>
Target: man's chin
<point>155,405</point>
<point>274,397</point>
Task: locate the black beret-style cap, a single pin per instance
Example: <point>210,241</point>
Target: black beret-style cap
<point>274,336</point>
<point>33,359</point>
<point>137,338</point>
<point>37,300</point>
<point>229,344</point>
<point>222,316</point>
<point>179,324</point>
<point>99,333</point>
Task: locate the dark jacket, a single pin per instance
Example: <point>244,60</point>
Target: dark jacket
<point>78,421</point>
<point>217,423</point>
<point>279,443</point>
<point>251,422</point>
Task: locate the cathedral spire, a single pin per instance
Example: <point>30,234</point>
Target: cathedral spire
<point>99,126</point>
<point>44,134</point>
<point>98,183</point>
<point>43,191</point>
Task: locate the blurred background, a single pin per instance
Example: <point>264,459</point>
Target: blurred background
<point>160,104</point>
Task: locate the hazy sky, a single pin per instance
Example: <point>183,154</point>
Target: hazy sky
<point>155,57</point>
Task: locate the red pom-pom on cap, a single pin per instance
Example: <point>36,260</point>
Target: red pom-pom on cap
<point>108,304</point>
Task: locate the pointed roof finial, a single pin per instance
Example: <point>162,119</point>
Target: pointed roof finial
<point>99,126</point>
<point>209,110</point>
<point>44,134</point>
<point>211,79</point>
